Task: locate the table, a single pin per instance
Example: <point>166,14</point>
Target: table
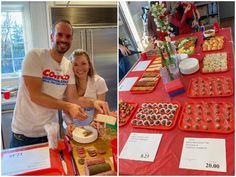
<point>56,167</point>
<point>169,152</point>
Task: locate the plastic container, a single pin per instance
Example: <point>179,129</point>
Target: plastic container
<point>207,117</point>
<point>126,110</point>
<point>156,115</point>
<point>203,87</point>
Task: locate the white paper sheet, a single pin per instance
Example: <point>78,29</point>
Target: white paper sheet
<point>127,83</point>
<point>203,154</point>
<point>24,161</point>
<point>141,146</point>
<point>141,65</point>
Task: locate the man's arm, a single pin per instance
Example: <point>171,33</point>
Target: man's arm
<point>71,96</point>
<point>34,85</point>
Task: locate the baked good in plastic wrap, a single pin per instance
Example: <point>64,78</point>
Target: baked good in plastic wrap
<point>207,117</point>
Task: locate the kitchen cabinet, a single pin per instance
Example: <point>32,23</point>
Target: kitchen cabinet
<point>6,128</point>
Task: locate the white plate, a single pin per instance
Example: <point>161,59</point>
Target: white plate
<point>189,66</point>
<point>181,56</point>
<point>78,136</point>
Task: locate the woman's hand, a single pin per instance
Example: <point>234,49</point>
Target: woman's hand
<point>187,8</point>
<point>69,129</point>
<point>101,106</point>
<point>99,127</point>
<point>195,23</point>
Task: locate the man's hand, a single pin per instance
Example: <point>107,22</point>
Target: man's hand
<point>124,50</point>
<point>101,107</point>
<point>76,112</point>
<point>69,130</point>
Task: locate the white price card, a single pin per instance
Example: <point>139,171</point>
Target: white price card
<point>141,65</point>
<point>18,162</point>
<point>127,83</point>
<point>141,146</point>
<point>203,154</point>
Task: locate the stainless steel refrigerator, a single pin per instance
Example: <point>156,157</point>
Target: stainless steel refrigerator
<point>95,30</point>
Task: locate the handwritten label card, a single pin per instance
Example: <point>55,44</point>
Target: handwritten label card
<point>127,83</point>
<point>203,154</point>
<point>142,65</point>
<point>141,146</point>
<point>18,162</point>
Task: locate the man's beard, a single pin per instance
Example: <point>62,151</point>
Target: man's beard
<point>62,50</point>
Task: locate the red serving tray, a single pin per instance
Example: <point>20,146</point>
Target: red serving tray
<point>44,172</point>
<point>215,49</point>
<point>210,93</point>
<point>228,68</point>
<point>129,116</point>
<point>147,91</point>
<point>159,127</point>
<point>192,120</point>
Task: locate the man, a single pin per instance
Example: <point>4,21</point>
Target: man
<point>46,77</point>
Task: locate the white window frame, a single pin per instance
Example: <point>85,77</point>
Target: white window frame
<point>11,79</point>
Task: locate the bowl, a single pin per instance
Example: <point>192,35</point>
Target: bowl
<point>189,66</point>
<point>209,33</point>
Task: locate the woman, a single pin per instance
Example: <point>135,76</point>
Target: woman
<point>88,84</point>
<point>181,20</point>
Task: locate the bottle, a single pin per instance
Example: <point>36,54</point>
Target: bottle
<point>132,52</point>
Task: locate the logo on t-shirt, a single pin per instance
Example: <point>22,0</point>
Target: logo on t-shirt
<point>53,78</point>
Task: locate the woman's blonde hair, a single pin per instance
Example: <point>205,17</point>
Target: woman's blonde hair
<point>80,52</point>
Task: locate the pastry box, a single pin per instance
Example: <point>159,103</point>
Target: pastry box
<point>207,117</point>
<point>156,115</point>
<point>202,87</point>
<point>126,110</point>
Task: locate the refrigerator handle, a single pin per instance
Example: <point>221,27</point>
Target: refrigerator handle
<point>91,42</point>
<point>82,40</point>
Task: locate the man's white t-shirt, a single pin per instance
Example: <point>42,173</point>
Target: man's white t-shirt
<point>29,118</point>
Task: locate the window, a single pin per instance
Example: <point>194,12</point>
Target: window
<point>12,40</point>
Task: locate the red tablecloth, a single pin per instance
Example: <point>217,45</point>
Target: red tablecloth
<point>168,156</point>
